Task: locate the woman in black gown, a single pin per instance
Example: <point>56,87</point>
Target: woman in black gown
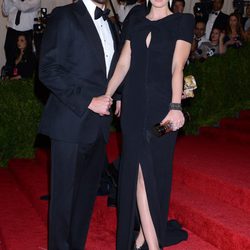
<point>153,56</point>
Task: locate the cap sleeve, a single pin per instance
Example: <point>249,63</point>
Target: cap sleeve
<point>186,28</point>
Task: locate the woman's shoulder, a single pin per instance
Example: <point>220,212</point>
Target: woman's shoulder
<point>185,26</point>
<point>183,20</point>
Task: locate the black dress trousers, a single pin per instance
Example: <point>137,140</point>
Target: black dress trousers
<point>76,173</point>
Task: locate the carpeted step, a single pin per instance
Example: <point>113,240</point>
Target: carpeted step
<point>204,155</point>
<point>214,168</point>
<point>2,247</point>
<point>237,124</point>
<point>103,224</point>
<point>227,191</point>
<point>245,114</point>
<point>193,243</point>
<point>219,223</point>
<point>102,230</point>
<point>42,156</point>
<point>20,226</point>
<point>114,146</point>
<point>33,181</point>
<point>225,134</point>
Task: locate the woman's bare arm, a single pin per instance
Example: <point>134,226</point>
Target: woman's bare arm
<point>121,69</point>
<point>181,53</point>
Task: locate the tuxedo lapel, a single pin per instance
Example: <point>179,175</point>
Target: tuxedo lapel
<point>90,32</point>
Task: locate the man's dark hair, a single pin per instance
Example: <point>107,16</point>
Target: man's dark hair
<point>182,1</point>
<point>200,21</point>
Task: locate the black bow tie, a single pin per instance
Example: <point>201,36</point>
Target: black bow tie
<point>215,13</point>
<point>101,13</point>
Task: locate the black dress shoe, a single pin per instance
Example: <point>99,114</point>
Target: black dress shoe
<point>111,201</point>
<point>45,197</point>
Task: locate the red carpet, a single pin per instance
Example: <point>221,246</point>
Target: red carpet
<point>211,194</point>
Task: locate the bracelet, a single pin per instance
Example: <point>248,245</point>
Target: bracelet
<point>175,106</point>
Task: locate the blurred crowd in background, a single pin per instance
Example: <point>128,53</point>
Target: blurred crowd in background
<point>214,33</point>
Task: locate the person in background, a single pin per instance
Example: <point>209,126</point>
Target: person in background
<point>209,48</point>
<point>123,7</point>
<point>178,6</point>
<point>247,35</point>
<point>199,36</point>
<point>216,18</point>
<point>25,63</point>
<point>21,14</point>
<point>234,35</point>
<point>247,24</point>
<point>246,19</point>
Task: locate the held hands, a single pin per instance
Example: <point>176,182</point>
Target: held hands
<point>101,105</point>
<point>176,118</point>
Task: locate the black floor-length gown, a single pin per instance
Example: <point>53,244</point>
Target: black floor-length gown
<point>145,102</point>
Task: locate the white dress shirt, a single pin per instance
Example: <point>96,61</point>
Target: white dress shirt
<point>201,40</point>
<point>28,8</point>
<point>210,23</point>
<point>104,34</point>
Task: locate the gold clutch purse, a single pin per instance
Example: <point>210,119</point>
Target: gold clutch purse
<point>189,86</point>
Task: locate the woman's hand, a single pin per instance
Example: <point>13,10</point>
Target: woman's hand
<point>176,118</point>
<point>232,41</point>
<point>118,108</point>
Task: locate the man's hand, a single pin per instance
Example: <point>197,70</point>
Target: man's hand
<point>101,105</point>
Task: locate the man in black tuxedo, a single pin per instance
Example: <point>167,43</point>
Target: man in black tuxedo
<point>76,60</point>
<point>216,18</point>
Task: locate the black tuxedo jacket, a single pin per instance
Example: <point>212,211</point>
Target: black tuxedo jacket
<point>72,66</point>
<point>221,21</point>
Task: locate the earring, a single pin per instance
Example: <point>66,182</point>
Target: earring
<point>170,3</point>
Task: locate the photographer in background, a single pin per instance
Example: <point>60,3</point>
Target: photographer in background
<point>21,14</point>
<point>202,9</point>
<point>216,18</point>
<point>209,48</point>
<point>199,37</point>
